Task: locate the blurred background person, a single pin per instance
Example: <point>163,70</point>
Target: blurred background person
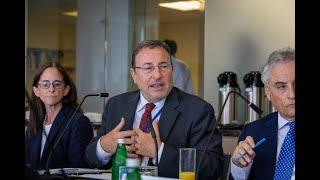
<point>181,72</point>
<point>54,100</point>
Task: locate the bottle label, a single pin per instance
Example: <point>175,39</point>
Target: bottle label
<point>122,172</point>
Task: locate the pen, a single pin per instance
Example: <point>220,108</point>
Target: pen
<point>256,145</point>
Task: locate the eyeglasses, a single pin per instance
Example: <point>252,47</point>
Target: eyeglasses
<point>164,67</point>
<point>45,84</point>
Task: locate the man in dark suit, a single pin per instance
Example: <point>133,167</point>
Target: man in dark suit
<point>278,128</point>
<point>181,120</point>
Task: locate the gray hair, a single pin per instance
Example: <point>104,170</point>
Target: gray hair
<point>283,55</point>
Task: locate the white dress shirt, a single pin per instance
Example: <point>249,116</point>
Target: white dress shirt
<point>105,157</point>
<point>45,133</point>
<point>239,173</point>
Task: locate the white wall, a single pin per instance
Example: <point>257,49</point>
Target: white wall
<point>187,35</point>
<point>117,53</point>
<point>102,50</point>
<point>90,60</point>
<point>240,35</point>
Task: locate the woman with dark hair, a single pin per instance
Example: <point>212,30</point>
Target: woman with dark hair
<point>54,100</point>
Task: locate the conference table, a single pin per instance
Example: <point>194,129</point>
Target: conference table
<point>86,173</point>
<point>108,177</point>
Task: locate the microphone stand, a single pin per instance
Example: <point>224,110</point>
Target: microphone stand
<point>154,137</point>
<point>47,172</point>
<point>253,106</point>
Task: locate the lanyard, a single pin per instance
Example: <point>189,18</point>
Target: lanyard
<point>148,124</point>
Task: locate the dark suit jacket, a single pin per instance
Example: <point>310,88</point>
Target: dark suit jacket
<point>71,148</point>
<point>263,166</point>
<point>186,121</point>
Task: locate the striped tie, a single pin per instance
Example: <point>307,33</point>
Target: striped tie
<point>146,117</point>
<point>144,121</point>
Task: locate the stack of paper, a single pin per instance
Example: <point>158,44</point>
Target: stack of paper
<point>69,171</point>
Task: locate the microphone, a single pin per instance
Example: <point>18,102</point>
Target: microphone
<point>250,104</point>
<point>47,172</point>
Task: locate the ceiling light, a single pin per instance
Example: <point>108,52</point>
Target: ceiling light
<point>72,13</point>
<point>184,5</point>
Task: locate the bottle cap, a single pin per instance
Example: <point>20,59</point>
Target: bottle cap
<point>121,141</point>
<point>133,162</point>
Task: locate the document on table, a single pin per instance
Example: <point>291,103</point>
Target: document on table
<point>69,171</point>
<point>107,176</point>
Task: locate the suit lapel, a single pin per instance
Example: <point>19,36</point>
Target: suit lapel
<point>130,110</point>
<point>271,134</point>
<point>169,115</point>
<point>57,124</point>
<point>36,148</point>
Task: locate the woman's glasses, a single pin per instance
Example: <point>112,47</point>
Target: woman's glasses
<point>45,84</point>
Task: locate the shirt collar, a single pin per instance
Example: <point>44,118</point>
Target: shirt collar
<point>282,121</point>
<point>142,103</point>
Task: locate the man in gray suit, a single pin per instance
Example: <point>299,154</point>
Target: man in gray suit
<point>181,120</point>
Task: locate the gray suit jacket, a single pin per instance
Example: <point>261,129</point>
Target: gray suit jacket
<point>186,121</point>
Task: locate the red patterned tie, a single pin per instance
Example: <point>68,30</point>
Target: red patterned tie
<point>146,116</point>
<point>144,120</point>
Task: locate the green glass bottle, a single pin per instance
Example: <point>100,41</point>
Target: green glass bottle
<point>119,159</point>
<point>133,169</point>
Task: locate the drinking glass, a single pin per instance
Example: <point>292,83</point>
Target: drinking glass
<point>187,163</point>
